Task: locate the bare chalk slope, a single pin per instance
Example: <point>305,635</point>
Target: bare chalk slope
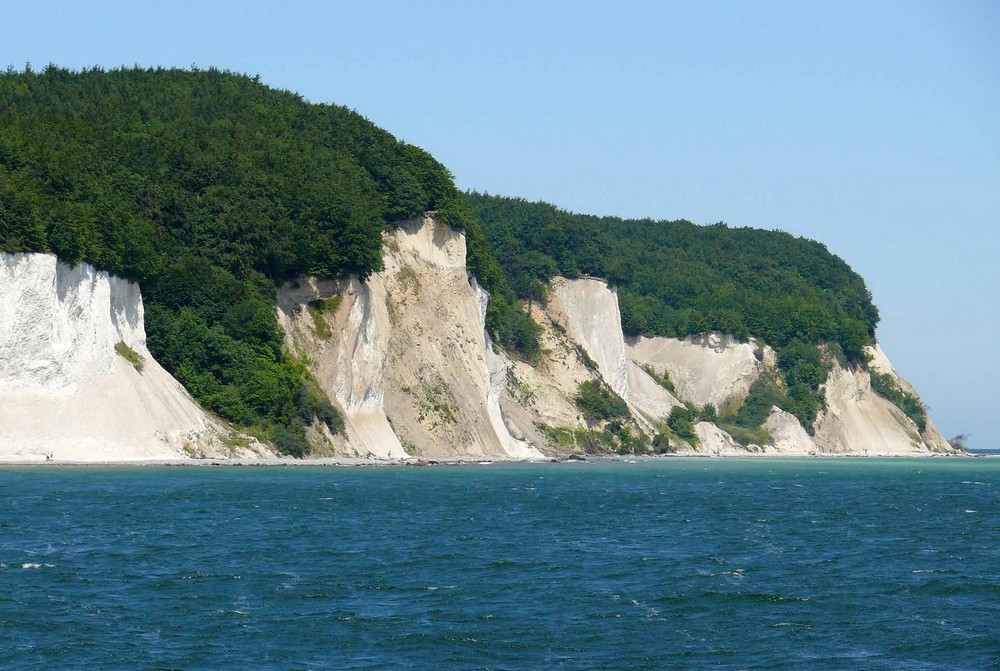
<point>65,390</point>
<point>405,353</point>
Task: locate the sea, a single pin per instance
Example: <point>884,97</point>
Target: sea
<point>658,564</point>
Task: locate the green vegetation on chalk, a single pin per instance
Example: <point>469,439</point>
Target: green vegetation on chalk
<point>615,437</point>
<point>682,419</point>
<point>318,310</point>
<point>130,355</point>
<point>209,189</point>
<point>599,403</point>
<point>886,386</point>
<point>662,379</point>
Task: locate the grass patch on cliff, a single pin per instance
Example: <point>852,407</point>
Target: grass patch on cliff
<point>746,436</point>
<point>885,386</point>
<point>130,355</point>
<point>662,379</point>
<point>613,438</point>
<point>434,401</point>
<point>318,310</point>
<point>407,279</point>
<point>519,389</point>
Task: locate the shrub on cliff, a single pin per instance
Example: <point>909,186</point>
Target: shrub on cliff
<point>885,385</point>
<point>599,403</point>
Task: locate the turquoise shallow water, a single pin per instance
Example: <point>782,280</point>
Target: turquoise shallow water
<point>674,564</point>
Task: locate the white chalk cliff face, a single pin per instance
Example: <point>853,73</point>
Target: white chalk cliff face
<point>63,388</point>
<point>717,369</point>
<point>710,368</point>
<point>857,420</point>
<point>587,308</point>
<point>408,358</point>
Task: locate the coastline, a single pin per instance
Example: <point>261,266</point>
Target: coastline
<point>346,462</point>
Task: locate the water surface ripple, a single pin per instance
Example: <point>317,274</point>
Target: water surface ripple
<point>671,564</point>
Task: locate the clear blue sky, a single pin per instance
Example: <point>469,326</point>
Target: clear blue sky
<point>871,126</point>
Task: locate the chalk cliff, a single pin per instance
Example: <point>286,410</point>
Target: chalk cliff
<point>405,355</point>
<point>65,390</point>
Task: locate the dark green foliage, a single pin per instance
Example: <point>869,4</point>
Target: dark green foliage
<point>675,279</point>
<point>290,439</point>
<point>598,403</point>
<point>805,368</point>
<point>763,396</point>
<point>681,422</point>
<point>745,424</point>
<point>208,188</point>
<point>885,385</point>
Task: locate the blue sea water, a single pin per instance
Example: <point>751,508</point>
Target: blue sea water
<point>667,564</point>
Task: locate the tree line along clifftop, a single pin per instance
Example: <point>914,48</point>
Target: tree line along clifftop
<point>209,189</point>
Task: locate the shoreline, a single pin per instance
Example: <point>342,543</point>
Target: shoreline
<point>348,462</point>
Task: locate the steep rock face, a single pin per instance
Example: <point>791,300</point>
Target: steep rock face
<point>441,382</point>
<point>63,387</point>
<point>543,393</point>
<point>590,314</point>
<point>709,368</point>
<point>932,438</point>
<point>587,309</point>
<point>857,420</point>
<point>350,368</point>
<point>787,433</point>
<point>407,357</point>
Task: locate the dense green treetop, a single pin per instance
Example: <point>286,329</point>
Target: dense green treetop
<point>675,278</point>
<point>131,168</point>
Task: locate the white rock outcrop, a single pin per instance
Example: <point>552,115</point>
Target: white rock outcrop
<point>543,393</point>
<point>350,368</point>
<point>64,389</point>
<point>857,420</point>
<point>709,368</point>
<point>713,440</point>
<point>931,437</point>
<point>587,308</point>
<point>787,434</point>
<point>592,319</point>
<point>408,358</point>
